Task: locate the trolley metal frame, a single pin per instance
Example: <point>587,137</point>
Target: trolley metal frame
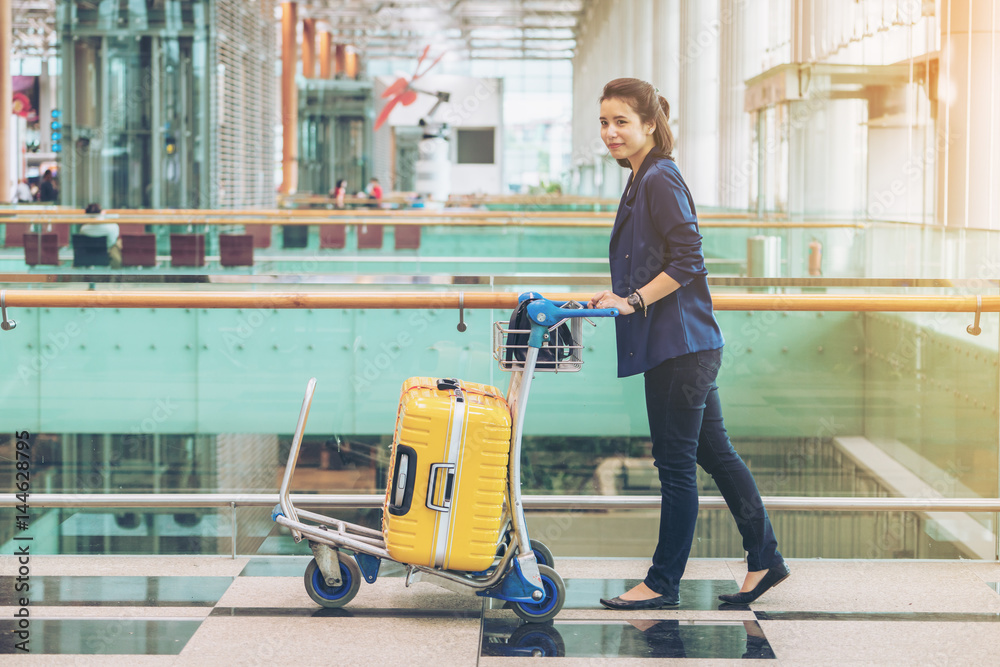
<point>515,574</point>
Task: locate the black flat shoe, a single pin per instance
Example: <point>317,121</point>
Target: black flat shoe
<point>774,576</point>
<point>659,602</point>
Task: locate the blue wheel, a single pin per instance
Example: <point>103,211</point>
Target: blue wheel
<point>538,641</point>
<point>550,605</point>
<point>543,555</point>
<point>333,596</point>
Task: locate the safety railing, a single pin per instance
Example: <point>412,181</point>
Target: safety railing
<point>532,502</point>
<point>59,298</point>
<point>444,218</point>
<point>232,502</point>
<point>63,298</point>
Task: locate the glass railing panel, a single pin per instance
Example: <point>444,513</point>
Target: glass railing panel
<point>204,400</point>
<point>121,531</point>
<point>800,249</point>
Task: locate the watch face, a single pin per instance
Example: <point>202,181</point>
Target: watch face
<point>633,299</point>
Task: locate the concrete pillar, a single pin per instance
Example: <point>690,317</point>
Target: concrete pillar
<point>7,170</point>
<point>968,141</point>
<point>644,36</point>
<point>666,54</point>
<point>803,35</point>
<point>309,48</point>
<point>289,100</point>
<point>48,99</point>
<point>698,109</point>
<point>325,69</point>
<point>736,167</point>
<point>623,19</point>
<point>339,60</point>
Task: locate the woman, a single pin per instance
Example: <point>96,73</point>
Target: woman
<point>667,331</point>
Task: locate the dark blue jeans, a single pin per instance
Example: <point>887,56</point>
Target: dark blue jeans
<point>685,422</point>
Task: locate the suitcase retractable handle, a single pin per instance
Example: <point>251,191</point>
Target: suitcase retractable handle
<point>432,487</point>
<point>451,384</point>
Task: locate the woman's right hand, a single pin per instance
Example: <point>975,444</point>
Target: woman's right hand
<point>608,299</point>
<point>596,299</point>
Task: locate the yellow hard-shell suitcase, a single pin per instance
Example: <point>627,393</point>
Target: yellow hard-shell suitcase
<point>447,475</point>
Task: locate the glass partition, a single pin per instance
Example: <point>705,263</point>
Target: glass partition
<point>823,404</point>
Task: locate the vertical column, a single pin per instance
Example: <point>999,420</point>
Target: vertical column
<point>623,23</point>
<point>698,110</point>
<point>325,40</point>
<point>968,142</point>
<point>339,60</point>
<point>736,167</point>
<point>309,48</point>
<point>6,93</point>
<point>802,31</point>
<point>351,64</point>
<point>643,29</point>
<point>289,100</point>
<point>666,50</point>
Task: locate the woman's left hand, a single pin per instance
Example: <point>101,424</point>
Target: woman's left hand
<point>608,299</point>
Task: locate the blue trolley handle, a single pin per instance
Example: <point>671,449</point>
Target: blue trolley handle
<point>546,313</point>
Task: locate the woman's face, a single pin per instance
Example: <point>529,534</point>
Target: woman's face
<point>623,132</point>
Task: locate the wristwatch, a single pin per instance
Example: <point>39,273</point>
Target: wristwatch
<point>634,300</point>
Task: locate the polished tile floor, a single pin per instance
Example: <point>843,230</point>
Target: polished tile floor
<point>147,610</point>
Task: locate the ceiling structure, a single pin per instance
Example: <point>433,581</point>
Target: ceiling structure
<point>34,28</point>
<point>397,29</point>
<point>485,29</point>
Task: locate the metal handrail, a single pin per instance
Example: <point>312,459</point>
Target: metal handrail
<point>402,280</point>
<point>406,218</point>
<point>534,502</point>
<point>128,298</point>
<point>185,216</point>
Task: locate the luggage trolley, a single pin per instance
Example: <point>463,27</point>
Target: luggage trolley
<point>521,572</point>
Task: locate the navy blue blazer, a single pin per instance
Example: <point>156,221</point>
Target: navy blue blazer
<point>656,230</point>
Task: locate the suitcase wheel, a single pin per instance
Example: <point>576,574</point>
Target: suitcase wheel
<point>547,608</point>
<point>333,596</point>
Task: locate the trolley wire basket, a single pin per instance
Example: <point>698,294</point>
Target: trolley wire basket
<point>561,353</point>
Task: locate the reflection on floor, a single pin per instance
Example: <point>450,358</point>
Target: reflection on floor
<point>636,638</point>
<point>203,610</point>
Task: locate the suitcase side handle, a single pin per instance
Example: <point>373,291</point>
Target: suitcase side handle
<point>404,475</point>
<point>432,486</point>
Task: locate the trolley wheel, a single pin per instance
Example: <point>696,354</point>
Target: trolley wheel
<point>543,554</point>
<point>543,640</point>
<point>545,609</point>
<point>333,596</point>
